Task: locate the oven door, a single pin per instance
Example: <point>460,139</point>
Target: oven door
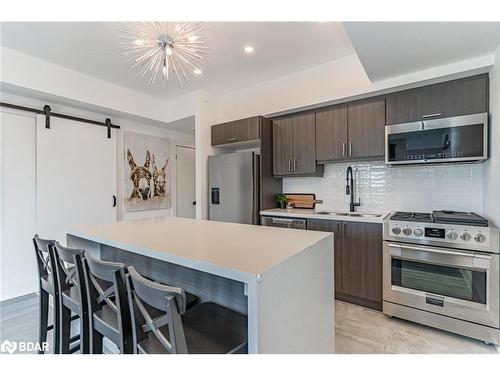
<point>458,284</point>
<point>461,138</point>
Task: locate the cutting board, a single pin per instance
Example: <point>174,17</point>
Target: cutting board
<point>302,200</point>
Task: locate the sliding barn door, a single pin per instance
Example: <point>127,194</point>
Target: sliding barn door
<point>76,176</point>
<point>18,273</point>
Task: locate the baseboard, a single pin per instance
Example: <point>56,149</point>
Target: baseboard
<point>375,305</point>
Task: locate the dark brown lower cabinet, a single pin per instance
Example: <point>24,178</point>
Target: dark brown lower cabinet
<point>358,260</point>
<point>336,228</point>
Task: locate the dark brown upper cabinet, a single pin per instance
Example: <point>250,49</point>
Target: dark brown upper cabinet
<point>331,134</point>
<point>366,129</point>
<point>453,98</point>
<point>353,131</point>
<point>243,130</point>
<point>294,151</point>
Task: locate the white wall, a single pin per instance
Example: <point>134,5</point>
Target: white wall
<point>492,166</point>
<point>383,189</point>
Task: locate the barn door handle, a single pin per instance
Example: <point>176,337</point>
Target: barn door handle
<point>114,200</point>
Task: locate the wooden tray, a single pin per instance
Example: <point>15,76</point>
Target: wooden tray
<point>305,200</point>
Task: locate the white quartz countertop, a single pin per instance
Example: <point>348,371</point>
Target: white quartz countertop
<point>236,251</point>
<point>313,214</point>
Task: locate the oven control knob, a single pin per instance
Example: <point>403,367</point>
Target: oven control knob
<point>396,230</point>
<point>407,231</point>
<point>451,235</point>
<point>418,232</point>
<point>479,237</point>
<point>465,236</point>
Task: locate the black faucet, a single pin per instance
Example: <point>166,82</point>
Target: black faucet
<point>349,189</point>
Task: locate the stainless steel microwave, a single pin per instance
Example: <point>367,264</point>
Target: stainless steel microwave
<point>451,139</point>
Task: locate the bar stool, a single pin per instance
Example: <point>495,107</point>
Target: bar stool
<point>48,287</point>
<point>109,308</point>
<point>162,325</point>
<point>72,298</point>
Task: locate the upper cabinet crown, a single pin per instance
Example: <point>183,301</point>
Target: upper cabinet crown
<point>351,131</point>
<point>453,98</point>
<point>294,151</point>
<point>243,130</point>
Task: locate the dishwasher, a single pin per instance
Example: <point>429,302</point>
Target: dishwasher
<point>284,222</point>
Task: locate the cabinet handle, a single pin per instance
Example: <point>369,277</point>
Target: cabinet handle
<point>350,148</point>
<point>345,229</point>
<point>343,148</point>
<point>233,139</point>
<point>432,115</point>
<point>289,165</point>
<point>294,165</point>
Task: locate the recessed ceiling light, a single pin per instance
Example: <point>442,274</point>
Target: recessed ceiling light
<point>248,49</point>
<point>197,71</point>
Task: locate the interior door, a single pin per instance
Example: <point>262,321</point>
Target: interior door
<point>186,182</point>
<point>76,176</point>
<point>18,204</point>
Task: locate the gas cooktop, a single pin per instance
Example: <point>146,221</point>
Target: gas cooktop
<point>444,217</point>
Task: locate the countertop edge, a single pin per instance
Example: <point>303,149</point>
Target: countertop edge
<point>309,215</point>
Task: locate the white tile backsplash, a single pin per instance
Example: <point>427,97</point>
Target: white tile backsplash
<point>410,188</point>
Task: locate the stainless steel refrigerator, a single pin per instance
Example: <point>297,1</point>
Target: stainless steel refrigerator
<point>233,185</point>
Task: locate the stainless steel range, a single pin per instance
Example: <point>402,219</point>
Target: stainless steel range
<point>442,269</point>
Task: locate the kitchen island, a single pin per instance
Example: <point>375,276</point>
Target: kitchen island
<point>282,279</point>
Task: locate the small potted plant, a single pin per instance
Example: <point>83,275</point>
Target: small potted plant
<point>282,200</point>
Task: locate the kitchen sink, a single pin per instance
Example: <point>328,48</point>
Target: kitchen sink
<point>351,214</point>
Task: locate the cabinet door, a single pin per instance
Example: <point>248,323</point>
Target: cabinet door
<point>362,263</point>
<point>447,99</point>
<point>245,129</point>
<point>331,134</point>
<point>283,146</point>
<point>366,129</point>
<point>336,228</point>
<point>236,131</point>
<point>304,139</point>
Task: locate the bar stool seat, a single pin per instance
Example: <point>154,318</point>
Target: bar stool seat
<point>209,329</point>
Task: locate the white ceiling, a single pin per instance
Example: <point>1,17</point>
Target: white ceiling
<point>389,49</point>
<point>92,48</point>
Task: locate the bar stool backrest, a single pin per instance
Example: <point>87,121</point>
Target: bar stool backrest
<point>171,301</point>
<point>44,258</point>
<point>106,286</point>
<point>68,271</point>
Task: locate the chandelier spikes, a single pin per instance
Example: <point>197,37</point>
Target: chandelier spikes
<point>178,49</point>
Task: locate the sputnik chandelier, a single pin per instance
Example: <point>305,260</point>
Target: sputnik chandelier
<point>175,50</point>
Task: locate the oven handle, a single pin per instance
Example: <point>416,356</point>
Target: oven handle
<point>429,250</point>
<point>474,260</point>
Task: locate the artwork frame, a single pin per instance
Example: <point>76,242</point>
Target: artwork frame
<point>147,172</point>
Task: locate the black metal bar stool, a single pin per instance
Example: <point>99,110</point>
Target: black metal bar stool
<point>73,298</point>
<point>162,324</point>
<point>48,287</point>
<point>109,309</point>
